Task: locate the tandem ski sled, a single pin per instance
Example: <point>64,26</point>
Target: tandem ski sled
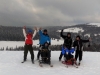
<point>68,57</point>
<point>45,53</point>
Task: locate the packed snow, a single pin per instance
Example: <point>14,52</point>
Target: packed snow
<point>13,44</point>
<point>10,64</point>
<point>95,24</point>
<point>73,30</point>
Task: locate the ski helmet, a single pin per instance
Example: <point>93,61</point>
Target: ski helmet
<point>45,30</point>
<point>29,31</point>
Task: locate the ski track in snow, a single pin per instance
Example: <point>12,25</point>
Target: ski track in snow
<point>10,64</point>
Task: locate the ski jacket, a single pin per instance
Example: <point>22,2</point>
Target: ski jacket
<point>67,40</point>
<point>79,44</point>
<point>44,38</point>
<point>29,37</point>
<point>64,51</point>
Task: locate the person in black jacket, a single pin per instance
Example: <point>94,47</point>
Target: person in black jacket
<point>67,41</point>
<point>78,45</point>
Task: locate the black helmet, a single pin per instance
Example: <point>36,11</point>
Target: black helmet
<point>45,30</point>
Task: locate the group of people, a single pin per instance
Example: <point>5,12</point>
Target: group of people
<point>29,35</point>
<point>69,46</point>
<point>45,39</point>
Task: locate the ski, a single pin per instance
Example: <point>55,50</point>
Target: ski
<point>72,65</point>
<point>42,65</point>
<point>25,61</point>
<point>66,66</point>
<point>63,62</point>
<point>22,61</point>
<point>51,65</point>
<point>75,66</point>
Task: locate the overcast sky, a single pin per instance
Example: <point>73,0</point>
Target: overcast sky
<point>48,12</point>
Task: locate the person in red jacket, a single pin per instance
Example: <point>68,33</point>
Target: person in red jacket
<point>28,43</point>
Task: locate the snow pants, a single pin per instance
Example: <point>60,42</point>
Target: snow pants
<point>26,49</point>
<point>78,53</point>
<point>39,52</point>
<point>61,55</point>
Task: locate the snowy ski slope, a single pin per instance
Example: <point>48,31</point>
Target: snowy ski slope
<point>10,64</point>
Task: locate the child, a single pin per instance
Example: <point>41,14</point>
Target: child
<point>67,54</point>
<point>45,52</point>
<point>28,43</point>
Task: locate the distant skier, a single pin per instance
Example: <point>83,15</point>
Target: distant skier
<point>67,41</point>
<point>78,44</point>
<point>44,37</point>
<point>28,43</point>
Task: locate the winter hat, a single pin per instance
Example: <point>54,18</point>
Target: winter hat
<point>45,30</point>
<point>68,34</point>
<point>29,31</point>
<point>78,37</point>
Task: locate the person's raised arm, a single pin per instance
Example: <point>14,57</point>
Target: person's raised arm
<point>85,41</point>
<point>24,31</point>
<point>40,32</point>
<point>35,31</point>
<point>61,34</point>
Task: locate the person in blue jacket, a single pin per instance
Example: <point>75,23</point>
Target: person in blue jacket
<point>44,38</point>
<point>67,52</point>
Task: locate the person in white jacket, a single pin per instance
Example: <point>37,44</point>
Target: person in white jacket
<point>28,43</point>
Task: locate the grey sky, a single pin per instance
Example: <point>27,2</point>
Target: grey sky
<point>48,12</point>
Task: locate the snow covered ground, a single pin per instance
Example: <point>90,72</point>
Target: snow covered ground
<point>10,64</point>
